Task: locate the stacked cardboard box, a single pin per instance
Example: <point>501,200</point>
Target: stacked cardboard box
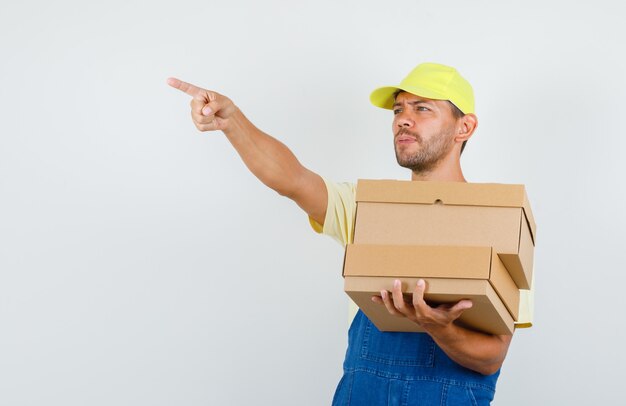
<point>466,240</point>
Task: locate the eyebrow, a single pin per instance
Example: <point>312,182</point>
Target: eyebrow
<point>412,103</point>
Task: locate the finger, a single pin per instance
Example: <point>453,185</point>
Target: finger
<point>197,105</point>
<point>185,87</point>
<point>458,309</point>
<point>201,119</point>
<point>418,293</point>
<point>398,299</point>
<point>388,303</point>
<point>212,107</point>
<point>216,124</point>
<point>205,107</point>
<point>207,114</point>
<point>188,88</point>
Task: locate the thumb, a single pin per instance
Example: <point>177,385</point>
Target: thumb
<point>207,110</point>
<point>460,307</point>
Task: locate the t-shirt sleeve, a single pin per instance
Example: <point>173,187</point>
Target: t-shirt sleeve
<point>526,306</point>
<point>340,212</point>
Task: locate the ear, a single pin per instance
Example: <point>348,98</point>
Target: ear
<point>465,127</point>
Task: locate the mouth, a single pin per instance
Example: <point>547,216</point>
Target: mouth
<point>405,139</point>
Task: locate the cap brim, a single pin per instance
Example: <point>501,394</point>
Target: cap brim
<point>383,96</point>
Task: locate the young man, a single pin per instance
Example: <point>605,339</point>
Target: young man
<point>433,119</point>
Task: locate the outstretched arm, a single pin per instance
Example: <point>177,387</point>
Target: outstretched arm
<point>483,353</point>
<point>266,157</point>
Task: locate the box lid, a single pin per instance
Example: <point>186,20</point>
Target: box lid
<point>447,193</point>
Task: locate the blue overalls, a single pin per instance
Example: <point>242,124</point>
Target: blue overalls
<point>387,368</point>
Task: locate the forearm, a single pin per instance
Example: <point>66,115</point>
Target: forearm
<point>266,157</point>
<point>483,353</point>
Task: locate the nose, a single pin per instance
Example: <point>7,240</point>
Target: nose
<point>403,119</point>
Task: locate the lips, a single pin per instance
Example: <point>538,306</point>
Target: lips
<point>405,139</point>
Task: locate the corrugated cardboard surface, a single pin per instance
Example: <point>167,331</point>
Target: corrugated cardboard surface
<point>449,213</point>
<point>459,266</point>
<point>450,193</point>
<point>487,314</point>
<point>411,261</point>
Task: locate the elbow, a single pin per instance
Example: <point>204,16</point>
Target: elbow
<point>492,363</point>
<point>284,185</point>
<point>489,369</point>
<point>288,193</point>
<point>280,187</point>
<point>287,186</point>
<point>284,192</point>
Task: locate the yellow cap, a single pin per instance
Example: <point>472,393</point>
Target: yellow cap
<point>432,81</point>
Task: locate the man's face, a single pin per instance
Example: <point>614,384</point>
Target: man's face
<point>423,131</point>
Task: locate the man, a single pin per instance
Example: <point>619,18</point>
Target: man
<point>433,119</point>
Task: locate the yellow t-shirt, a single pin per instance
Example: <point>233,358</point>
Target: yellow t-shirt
<point>339,224</point>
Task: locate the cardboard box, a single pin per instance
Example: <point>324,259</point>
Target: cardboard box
<point>451,274</point>
<point>416,213</point>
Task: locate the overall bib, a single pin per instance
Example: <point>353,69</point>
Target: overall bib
<point>389,368</point>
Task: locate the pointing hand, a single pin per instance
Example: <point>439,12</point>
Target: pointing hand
<point>210,110</point>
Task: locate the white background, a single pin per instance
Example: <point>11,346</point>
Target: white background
<point>142,264</point>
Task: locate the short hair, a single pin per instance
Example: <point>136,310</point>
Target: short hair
<point>456,112</point>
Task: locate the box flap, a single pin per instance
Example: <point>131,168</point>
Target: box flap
<point>417,261</point>
<point>447,193</point>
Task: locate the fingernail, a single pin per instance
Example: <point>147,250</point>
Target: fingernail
<point>420,283</point>
<point>396,283</point>
<point>383,294</point>
<point>206,111</point>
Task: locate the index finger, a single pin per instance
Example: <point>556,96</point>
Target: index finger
<point>188,88</point>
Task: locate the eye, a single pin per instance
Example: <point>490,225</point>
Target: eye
<point>422,108</point>
<point>397,111</point>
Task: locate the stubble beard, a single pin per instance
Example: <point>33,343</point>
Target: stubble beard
<point>429,155</point>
